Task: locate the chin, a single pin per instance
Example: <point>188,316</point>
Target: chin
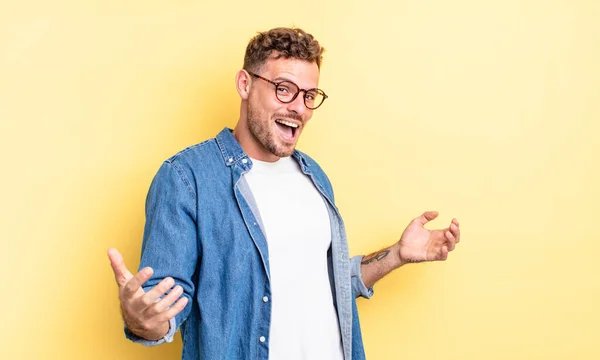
<point>283,152</point>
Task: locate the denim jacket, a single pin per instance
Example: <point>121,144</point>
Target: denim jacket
<point>203,229</point>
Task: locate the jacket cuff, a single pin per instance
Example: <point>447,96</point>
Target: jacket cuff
<point>358,286</point>
<point>167,338</point>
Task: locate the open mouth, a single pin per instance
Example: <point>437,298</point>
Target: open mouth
<point>287,129</point>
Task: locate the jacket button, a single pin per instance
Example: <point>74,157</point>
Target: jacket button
<point>262,339</point>
<point>244,161</point>
<point>265,299</point>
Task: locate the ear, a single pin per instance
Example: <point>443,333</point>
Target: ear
<point>242,84</point>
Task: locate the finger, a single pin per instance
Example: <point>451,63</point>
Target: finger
<point>451,240</point>
<point>455,229</point>
<point>122,275</point>
<point>156,292</point>
<point>173,310</point>
<point>166,302</point>
<point>427,217</point>
<point>135,283</point>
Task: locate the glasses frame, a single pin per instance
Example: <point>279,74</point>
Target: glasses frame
<point>296,94</point>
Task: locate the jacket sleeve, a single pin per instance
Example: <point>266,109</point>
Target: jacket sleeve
<point>170,244</point>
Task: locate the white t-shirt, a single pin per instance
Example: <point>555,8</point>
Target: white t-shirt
<point>304,323</point>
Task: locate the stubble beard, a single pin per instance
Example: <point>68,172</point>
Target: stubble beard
<point>263,133</point>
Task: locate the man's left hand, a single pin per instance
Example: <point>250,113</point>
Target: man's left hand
<point>418,244</point>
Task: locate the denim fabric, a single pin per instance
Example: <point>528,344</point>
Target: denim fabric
<point>203,229</point>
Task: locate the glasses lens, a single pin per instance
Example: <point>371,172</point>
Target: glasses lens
<point>314,98</point>
<point>286,91</point>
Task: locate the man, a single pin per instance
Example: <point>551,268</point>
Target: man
<point>244,248</point>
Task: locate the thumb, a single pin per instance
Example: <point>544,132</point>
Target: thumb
<point>427,217</point>
<point>122,275</point>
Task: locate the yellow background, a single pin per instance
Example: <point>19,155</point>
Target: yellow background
<point>487,111</point>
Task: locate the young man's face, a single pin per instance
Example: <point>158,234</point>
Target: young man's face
<point>276,126</point>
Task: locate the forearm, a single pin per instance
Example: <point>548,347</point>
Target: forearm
<point>378,264</point>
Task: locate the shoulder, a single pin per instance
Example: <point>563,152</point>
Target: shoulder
<point>198,152</point>
<point>198,156</point>
<point>196,162</point>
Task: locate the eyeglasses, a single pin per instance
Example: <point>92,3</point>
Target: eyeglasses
<point>287,91</point>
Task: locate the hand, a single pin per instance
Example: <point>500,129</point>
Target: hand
<point>418,244</point>
<point>143,314</point>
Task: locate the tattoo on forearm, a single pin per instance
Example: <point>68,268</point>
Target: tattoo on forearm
<point>377,256</point>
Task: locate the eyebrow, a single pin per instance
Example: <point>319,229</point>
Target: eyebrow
<point>280,79</point>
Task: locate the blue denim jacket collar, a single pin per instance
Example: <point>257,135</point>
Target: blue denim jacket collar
<point>232,151</point>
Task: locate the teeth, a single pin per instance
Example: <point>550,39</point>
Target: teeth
<point>290,124</point>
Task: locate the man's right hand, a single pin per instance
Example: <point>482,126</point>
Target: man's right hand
<point>143,314</point>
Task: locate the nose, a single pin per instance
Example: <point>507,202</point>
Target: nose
<point>297,106</point>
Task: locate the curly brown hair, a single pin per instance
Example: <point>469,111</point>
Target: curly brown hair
<point>282,42</point>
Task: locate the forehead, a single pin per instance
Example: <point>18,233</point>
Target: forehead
<point>305,74</point>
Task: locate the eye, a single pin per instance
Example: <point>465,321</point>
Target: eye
<point>283,89</point>
<point>311,95</point>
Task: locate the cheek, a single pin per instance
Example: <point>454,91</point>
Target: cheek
<point>274,106</point>
<point>309,114</point>
<point>266,105</point>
